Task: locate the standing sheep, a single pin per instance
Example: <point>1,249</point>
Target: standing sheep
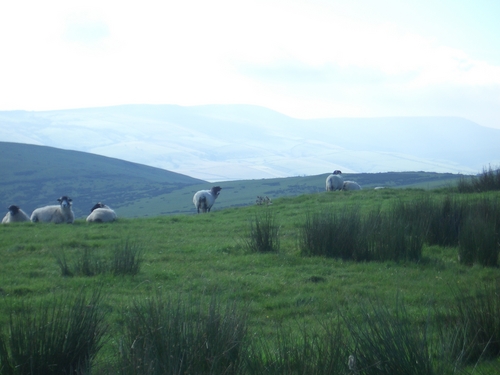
<point>334,181</point>
<point>101,213</point>
<point>205,199</point>
<point>351,185</point>
<point>57,214</point>
<point>15,215</point>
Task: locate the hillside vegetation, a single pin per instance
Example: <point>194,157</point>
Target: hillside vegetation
<point>35,176</point>
<point>194,280</point>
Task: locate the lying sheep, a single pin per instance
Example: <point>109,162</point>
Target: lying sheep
<point>334,181</point>
<point>57,214</point>
<point>101,213</point>
<point>205,199</point>
<point>15,215</point>
<point>351,185</point>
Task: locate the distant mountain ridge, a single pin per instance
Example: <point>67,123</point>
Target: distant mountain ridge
<point>236,142</point>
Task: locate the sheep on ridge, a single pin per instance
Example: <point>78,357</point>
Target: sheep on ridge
<point>57,214</point>
<point>15,215</point>
<point>101,213</point>
<point>334,181</point>
<point>205,199</point>
<point>351,185</point>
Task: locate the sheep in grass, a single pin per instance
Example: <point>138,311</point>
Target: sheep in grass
<point>101,213</point>
<point>351,185</point>
<point>334,181</point>
<point>57,214</point>
<point>15,215</point>
<point>205,199</point>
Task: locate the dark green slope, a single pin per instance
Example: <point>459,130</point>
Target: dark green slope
<point>34,176</point>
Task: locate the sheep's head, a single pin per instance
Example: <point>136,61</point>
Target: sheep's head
<point>215,191</point>
<point>65,201</point>
<point>337,172</point>
<point>97,205</point>
<point>13,209</point>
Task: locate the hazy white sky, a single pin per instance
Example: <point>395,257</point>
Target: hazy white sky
<point>304,58</point>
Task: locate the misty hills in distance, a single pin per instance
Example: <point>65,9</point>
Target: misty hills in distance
<point>242,142</point>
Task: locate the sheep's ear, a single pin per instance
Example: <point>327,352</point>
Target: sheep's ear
<point>59,200</point>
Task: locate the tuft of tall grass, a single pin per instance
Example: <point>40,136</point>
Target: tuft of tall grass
<point>263,235</point>
<point>332,234</point>
<point>386,342</point>
<point>89,263</point>
<point>478,242</point>
<point>390,237</point>
<point>62,337</point>
<point>488,180</point>
<point>299,351</point>
<point>475,315</point>
<point>127,259</point>
<point>177,337</point>
<point>377,236</point>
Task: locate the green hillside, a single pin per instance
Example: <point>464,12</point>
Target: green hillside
<point>34,176</point>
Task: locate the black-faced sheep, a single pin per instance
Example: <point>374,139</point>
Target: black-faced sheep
<point>57,214</point>
<point>334,181</point>
<point>101,213</point>
<point>351,185</point>
<point>15,215</point>
<point>205,199</point>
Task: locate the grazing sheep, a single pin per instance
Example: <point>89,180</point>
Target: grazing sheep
<point>205,199</point>
<point>15,215</point>
<point>351,185</point>
<point>334,181</point>
<point>57,214</point>
<point>101,213</point>
<point>263,200</point>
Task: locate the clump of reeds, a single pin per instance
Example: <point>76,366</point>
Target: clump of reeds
<point>263,236</point>
<point>126,259</point>
<point>475,323</point>
<point>301,351</point>
<point>60,337</point>
<point>488,180</point>
<point>332,233</point>
<point>173,336</point>
<point>385,342</point>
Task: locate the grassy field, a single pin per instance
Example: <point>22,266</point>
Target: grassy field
<point>205,255</point>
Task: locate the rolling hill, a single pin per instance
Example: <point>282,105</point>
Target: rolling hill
<point>34,176</point>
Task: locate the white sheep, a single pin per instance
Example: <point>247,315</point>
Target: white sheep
<point>351,185</point>
<point>101,213</point>
<point>57,214</point>
<point>15,215</point>
<point>205,199</point>
<point>334,181</point>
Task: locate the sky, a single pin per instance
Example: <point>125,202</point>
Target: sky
<point>303,58</point>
